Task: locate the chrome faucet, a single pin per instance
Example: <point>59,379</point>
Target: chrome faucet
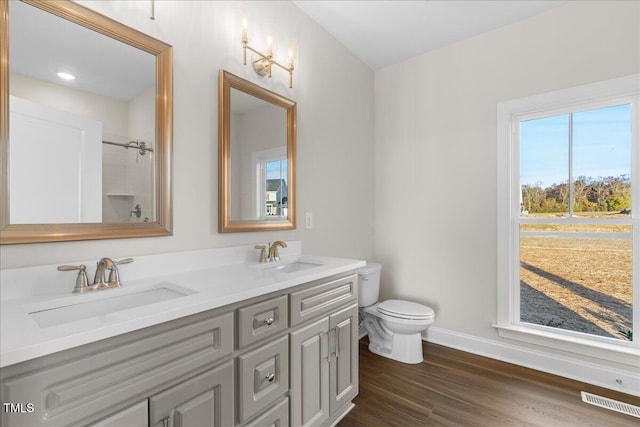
<point>273,250</point>
<point>99,281</point>
<point>114,277</point>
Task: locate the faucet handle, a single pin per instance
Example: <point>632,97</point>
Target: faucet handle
<point>263,256</point>
<point>114,275</point>
<point>71,267</point>
<point>82,283</point>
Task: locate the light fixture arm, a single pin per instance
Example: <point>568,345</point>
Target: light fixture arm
<point>264,62</point>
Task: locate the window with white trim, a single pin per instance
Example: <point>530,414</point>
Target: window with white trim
<point>568,218</point>
<point>270,183</point>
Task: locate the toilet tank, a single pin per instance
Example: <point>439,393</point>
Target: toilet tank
<point>368,284</point>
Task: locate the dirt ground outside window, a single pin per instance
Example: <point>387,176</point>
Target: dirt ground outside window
<point>581,284</point>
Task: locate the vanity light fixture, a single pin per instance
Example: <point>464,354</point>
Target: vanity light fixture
<point>66,76</point>
<point>263,62</point>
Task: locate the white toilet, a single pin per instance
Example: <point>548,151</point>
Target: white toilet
<point>394,326</point>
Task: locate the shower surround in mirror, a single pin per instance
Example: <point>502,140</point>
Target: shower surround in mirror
<point>61,171</point>
<point>113,178</point>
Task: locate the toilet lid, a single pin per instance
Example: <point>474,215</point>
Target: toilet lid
<point>405,309</point>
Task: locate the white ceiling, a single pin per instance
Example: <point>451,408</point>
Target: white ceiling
<point>379,32</point>
<point>41,44</point>
<point>382,33</point>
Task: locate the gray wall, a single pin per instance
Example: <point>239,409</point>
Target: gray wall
<point>435,148</point>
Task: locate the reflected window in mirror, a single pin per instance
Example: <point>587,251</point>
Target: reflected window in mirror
<point>257,157</point>
<point>276,197</point>
<point>271,168</point>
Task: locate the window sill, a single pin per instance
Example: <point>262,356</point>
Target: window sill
<point>624,353</point>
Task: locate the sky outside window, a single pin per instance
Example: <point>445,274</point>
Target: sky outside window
<point>277,169</point>
<point>602,142</point>
<point>544,151</point>
<point>601,146</point>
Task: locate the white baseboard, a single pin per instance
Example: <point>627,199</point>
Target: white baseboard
<point>591,373</point>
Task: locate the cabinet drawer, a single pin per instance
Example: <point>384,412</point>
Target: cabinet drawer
<point>322,299</point>
<point>67,388</point>
<point>276,416</point>
<point>263,377</point>
<point>262,320</point>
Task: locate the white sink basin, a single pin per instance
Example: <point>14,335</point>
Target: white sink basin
<point>295,266</point>
<point>69,311</point>
<point>289,266</point>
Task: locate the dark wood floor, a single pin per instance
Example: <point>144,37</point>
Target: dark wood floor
<point>454,388</point>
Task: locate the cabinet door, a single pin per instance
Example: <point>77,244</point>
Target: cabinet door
<point>133,416</point>
<point>310,374</point>
<point>343,368</point>
<point>204,400</point>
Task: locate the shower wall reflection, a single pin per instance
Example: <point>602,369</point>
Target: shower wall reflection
<point>127,177</point>
<point>63,166</point>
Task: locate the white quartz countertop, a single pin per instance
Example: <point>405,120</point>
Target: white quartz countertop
<point>231,277</point>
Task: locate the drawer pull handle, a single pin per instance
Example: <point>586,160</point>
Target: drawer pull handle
<point>269,321</point>
<point>271,377</point>
<point>165,422</point>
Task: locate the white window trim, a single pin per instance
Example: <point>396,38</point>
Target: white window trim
<point>625,89</point>
<point>259,159</point>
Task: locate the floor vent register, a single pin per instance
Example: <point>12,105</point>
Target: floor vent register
<point>607,403</point>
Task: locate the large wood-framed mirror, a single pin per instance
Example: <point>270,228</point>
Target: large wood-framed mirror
<point>257,154</point>
<point>88,158</point>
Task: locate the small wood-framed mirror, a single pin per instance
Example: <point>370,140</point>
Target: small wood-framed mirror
<point>59,180</point>
<point>257,155</point>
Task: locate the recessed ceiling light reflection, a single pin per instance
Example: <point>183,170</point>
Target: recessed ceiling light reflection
<point>66,76</point>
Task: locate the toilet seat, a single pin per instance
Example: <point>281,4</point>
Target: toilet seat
<point>405,310</point>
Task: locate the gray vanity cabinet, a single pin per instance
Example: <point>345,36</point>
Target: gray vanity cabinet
<point>289,358</point>
<point>134,416</point>
<point>261,320</point>
<point>343,366</point>
<point>263,377</point>
<point>324,367</point>
<point>277,416</point>
<point>310,374</point>
<point>322,299</point>
<point>98,381</point>
<point>322,355</point>
<point>205,400</point>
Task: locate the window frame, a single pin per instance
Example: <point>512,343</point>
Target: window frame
<point>259,160</point>
<point>623,90</point>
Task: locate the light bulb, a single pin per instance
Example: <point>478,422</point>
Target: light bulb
<point>269,45</point>
<point>290,58</point>
<point>244,29</point>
